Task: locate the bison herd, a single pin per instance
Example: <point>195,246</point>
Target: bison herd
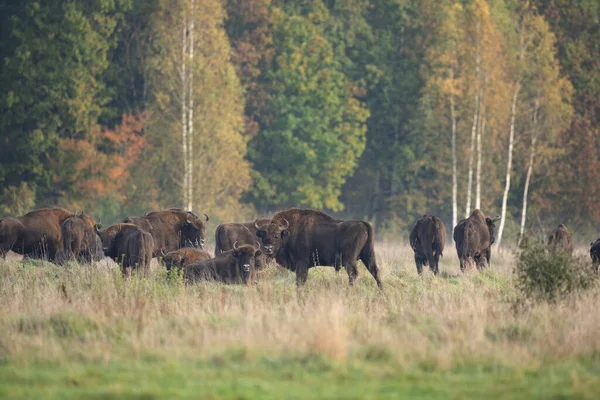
<point>296,239</point>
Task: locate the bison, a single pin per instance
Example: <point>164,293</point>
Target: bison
<point>172,229</point>
<point>36,234</point>
<point>80,239</point>
<point>474,237</point>
<point>300,239</point>
<point>233,266</point>
<point>244,233</point>
<point>595,254</point>
<point>427,239</point>
<point>184,257</point>
<point>560,240</point>
<point>128,245</point>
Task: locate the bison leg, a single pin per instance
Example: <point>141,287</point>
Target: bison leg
<point>434,264</point>
<point>488,255</point>
<point>301,269</point>
<point>419,263</point>
<point>352,272</point>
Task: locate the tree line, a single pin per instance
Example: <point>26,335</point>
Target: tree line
<point>376,109</point>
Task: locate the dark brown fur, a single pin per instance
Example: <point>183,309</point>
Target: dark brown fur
<point>36,234</point>
<point>227,235</point>
<point>184,257</point>
<point>474,237</point>
<point>130,246</point>
<point>427,239</point>
<point>172,229</point>
<point>80,241</point>
<point>560,240</point>
<point>226,267</point>
<point>595,254</point>
<point>314,238</point>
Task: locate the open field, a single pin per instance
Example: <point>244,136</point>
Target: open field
<point>81,331</point>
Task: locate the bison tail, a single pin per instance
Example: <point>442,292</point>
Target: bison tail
<point>437,245</point>
<point>218,244</point>
<point>367,254</point>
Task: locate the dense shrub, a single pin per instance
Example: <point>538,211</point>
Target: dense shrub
<point>545,275</point>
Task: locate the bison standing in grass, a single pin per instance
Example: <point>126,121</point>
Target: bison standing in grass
<point>172,229</point>
<point>427,239</point>
<point>36,234</point>
<point>300,239</point>
<point>595,254</point>
<point>80,241</point>
<point>474,237</point>
<point>243,233</point>
<point>129,246</point>
<point>184,257</point>
<point>233,266</point>
<point>560,240</point>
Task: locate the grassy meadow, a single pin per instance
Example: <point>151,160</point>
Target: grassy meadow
<point>82,331</point>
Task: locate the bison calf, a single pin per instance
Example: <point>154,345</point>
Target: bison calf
<point>130,246</point>
<point>183,258</point>
<point>234,266</point>
<point>427,239</point>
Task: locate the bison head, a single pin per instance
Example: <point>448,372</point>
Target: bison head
<point>272,235</point>
<point>491,224</point>
<point>245,256</point>
<point>193,231</point>
<point>9,232</point>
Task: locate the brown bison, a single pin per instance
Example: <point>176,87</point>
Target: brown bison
<point>36,234</point>
<point>128,245</point>
<point>80,241</point>
<point>172,229</point>
<point>595,254</point>
<point>300,239</point>
<point>243,233</point>
<point>233,266</point>
<point>560,240</point>
<point>474,237</point>
<point>427,239</point>
<point>184,257</point>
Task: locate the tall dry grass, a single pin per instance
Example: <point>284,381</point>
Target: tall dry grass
<point>90,313</point>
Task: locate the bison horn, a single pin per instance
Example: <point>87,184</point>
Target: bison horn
<point>258,244</point>
<point>235,246</point>
<point>256,225</point>
<point>97,227</point>
<point>496,218</point>
<point>206,217</point>
<point>162,253</point>
<point>286,226</point>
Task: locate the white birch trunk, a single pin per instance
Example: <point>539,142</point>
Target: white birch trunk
<point>190,121</point>
<point>513,112</point>
<point>184,131</point>
<point>529,172</point>
<point>454,174</point>
<point>480,132</point>
<point>471,153</point>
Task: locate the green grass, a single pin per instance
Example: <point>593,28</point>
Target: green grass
<point>84,332</point>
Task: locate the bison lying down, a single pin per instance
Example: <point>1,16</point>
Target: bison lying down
<point>243,233</point>
<point>184,257</point>
<point>234,266</point>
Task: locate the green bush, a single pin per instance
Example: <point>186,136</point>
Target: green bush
<point>544,275</point>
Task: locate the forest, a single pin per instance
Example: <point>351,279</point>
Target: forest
<point>372,109</point>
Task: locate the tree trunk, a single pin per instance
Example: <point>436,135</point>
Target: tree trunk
<point>184,126</point>
<point>454,174</point>
<point>480,133</point>
<point>529,172</point>
<point>471,153</point>
<point>513,112</point>
<point>190,121</point>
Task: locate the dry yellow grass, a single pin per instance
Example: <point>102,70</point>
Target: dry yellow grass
<point>57,314</point>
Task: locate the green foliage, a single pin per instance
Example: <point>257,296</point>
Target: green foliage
<point>545,275</point>
<point>315,132</point>
<point>17,200</point>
